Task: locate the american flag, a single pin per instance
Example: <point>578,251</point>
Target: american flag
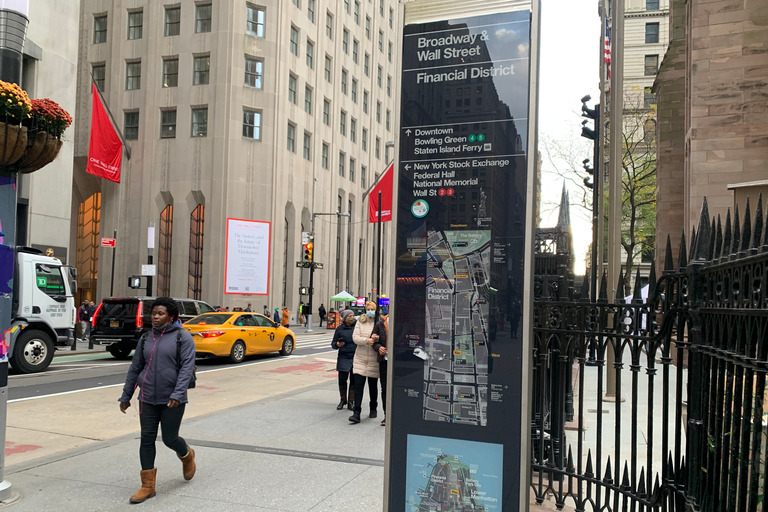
<point>607,48</point>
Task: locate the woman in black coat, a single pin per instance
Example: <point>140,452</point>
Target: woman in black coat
<point>342,341</point>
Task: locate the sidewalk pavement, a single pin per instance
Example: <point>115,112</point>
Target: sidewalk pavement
<point>290,452</point>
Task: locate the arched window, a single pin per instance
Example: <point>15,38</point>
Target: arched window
<point>88,232</point>
<point>196,234</point>
<point>165,245</point>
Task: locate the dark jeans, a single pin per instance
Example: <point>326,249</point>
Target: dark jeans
<point>170,418</point>
<point>373,392</point>
<point>343,376</point>
<point>383,378</point>
<point>321,321</point>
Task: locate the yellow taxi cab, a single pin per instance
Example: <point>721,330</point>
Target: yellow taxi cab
<point>236,335</point>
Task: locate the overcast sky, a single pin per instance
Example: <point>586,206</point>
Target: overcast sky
<point>570,57</point>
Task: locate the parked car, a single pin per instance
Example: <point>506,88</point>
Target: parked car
<point>236,335</point>
<point>119,322</point>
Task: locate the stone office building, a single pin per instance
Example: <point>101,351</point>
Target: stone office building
<point>267,111</point>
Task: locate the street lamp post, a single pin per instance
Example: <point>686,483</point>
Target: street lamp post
<point>312,266</point>
<point>150,254</point>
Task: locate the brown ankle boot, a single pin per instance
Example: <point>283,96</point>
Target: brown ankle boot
<point>147,486</point>
<point>188,464</point>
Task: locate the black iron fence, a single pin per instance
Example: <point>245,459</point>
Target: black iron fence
<point>668,412</point>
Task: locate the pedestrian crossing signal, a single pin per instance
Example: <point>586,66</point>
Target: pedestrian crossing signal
<point>308,251</point>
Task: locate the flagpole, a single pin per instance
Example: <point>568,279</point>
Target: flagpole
<point>378,259</point>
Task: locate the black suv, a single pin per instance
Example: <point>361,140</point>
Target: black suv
<point>118,323</point>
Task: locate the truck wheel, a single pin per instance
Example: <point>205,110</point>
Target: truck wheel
<point>32,352</point>
<point>120,351</point>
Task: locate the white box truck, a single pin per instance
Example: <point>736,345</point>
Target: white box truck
<point>43,311</point>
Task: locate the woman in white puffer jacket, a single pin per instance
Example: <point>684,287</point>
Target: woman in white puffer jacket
<point>366,364</point>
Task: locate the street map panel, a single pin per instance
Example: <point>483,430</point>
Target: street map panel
<point>456,341</point>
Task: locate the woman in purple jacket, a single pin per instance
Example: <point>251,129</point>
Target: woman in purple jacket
<point>162,367</point>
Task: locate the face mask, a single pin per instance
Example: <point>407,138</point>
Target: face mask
<point>370,314</point>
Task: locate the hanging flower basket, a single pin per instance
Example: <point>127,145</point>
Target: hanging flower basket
<point>13,142</point>
<point>42,149</point>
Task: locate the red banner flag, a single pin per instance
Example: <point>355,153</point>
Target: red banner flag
<point>385,186</point>
<point>105,153</point>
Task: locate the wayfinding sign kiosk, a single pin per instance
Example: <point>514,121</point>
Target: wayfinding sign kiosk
<point>458,409</point>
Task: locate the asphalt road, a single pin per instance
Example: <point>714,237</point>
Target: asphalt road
<point>70,373</point>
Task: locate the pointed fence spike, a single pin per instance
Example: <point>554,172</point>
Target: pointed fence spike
<point>670,463</point>
<point>625,478</point>
<point>746,233</point>
<point>712,237</point>
<point>656,486</point>
<point>736,233</point>
<point>620,287</point>
<point>704,236</point>
<point>669,263</point>
<point>641,485</point>
<point>604,287</point>
<point>692,247</point>
<point>652,277</point>
<point>726,250</point>
<point>608,478</point>
<point>757,231</point>
<point>585,289</point>
<point>569,466</point>
<point>589,472</point>
<point>718,239</point>
<point>637,295</point>
<point>682,258</point>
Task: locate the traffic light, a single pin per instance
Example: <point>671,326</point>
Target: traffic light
<point>587,182</point>
<point>308,248</point>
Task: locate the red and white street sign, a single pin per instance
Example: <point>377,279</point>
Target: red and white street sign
<point>107,242</point>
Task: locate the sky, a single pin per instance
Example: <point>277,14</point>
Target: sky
<point>570,55</point>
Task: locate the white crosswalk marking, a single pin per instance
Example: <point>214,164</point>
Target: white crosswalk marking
<point>314,343</point>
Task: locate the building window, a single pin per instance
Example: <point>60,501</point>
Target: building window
<point>352,170</point>
<point>389,86</point>
<point>99,72</point>
<point>389,118</point>
<point>344,76</point>
<point>328,69</point>
<point>651,65</point>
<point>170,72</point>
<point>310,54</point>
<point>391,18</point>
<point>329,25</point>
<point>365,102</point>
<point>326,149</point>
<point>377,149</point>
<point>651,5</point>
<point>651,33</point>
<point>368,28</point>
<point>308,100</point>
<point>168,124</point>
<point>292,80</point>
<point>365,139</point>
<point>254,20</point>
<point>252,124</point>
<point>294,46</point>
<point>131,125</point>
<point>354,90</point>
<point>307,146</point>
<point>196,236</point>
<point>649,99</point>
<point>342,163</point>
<point>253,72</point>
<point>291,143</point>
<point>327,112</point>
<point>378,112</point>
<point>172,21</point>
<point>367,65</point>
<point>346,6</point>
<point>379,74</point>
<point>135,24</point>
<point>203,18</point>
<point>389,51</point>
<point>381,41</point>
<point>311,10</point>
<point>353,129</point>
<point>202,70</point>
<point>200,122</point>
<point>363,177</point>
<point>345,41</point>
<point>297,3</point>
<point>99,29</point>
<point>165,245</point>
<point>343,123</point>
<point>133,75</point>
<point>355,51</point>
<point>381,8</point>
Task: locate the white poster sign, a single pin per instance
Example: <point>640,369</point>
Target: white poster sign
<point>247,263</point>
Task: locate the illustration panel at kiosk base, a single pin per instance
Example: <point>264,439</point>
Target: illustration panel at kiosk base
<point>456,342</point>
<point>453,475</point>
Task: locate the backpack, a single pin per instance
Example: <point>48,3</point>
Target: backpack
<point>193,379</point>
